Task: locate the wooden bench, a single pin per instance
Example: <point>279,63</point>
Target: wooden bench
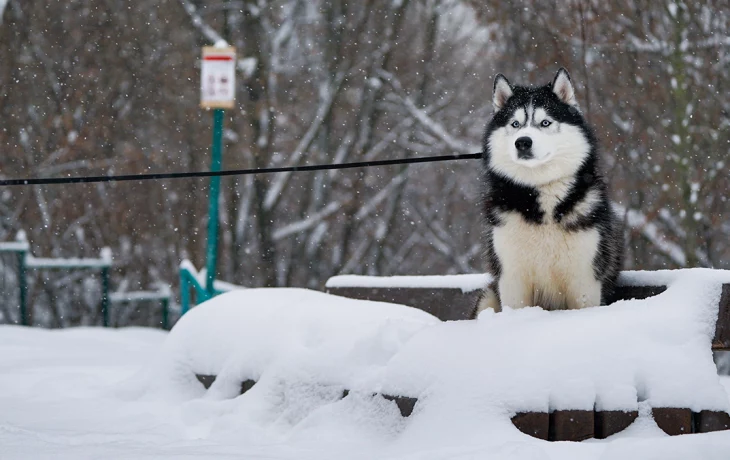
<point>449,304</point>
<point>454,303</point>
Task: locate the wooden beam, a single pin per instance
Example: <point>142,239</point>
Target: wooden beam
<point>673,421</point>
<point>610,422</point>
<point>535,424</point>
<point>707,421</point>
<point>571,425</point>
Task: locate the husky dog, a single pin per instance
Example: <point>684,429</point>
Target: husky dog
<point>552,238</point>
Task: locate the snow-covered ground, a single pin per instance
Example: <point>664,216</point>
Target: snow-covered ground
<point>129,393</point>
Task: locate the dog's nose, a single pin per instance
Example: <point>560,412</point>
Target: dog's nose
<point>523,144</point>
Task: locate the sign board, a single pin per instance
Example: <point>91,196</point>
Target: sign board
<point>218,78</point>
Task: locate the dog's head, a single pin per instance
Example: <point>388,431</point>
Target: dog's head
<point>537,134</point>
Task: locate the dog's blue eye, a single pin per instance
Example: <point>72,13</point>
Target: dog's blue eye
<point>546,123</point>
<point>515,124</point>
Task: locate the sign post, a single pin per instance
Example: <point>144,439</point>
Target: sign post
<point>217,92</point>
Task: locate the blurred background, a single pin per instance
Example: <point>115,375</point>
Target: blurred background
<point>90,87</point>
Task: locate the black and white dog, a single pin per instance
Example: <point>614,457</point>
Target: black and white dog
<point>552,238</point>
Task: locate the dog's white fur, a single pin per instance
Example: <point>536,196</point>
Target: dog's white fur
<point>558,150</point>
<point>544,265</point>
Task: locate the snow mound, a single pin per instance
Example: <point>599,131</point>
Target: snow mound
<point>289,334</point>
<point>304,347</point>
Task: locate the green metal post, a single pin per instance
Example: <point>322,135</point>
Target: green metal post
<point>184,293</point>
<point>23,285</point>
<point>215,165</point>
<point>165,313</point>
<point>105,296</point>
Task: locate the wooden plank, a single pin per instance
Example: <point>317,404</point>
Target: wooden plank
<point>721,341</point>
<point>247,385</point>
<point>405,404</point>
<point>707,421</point>
<point>444,303</point>
<point>535,424</point>
<point>623,292</point>
<point>571,425</point>
<point>672,420</point>
<point>206,380</point>
<point>609,422</point>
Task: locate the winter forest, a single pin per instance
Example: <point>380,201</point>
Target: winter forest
<point>96,87</point>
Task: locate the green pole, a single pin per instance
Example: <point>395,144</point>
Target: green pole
<point>184,292</point>
<point>215,165</point>
<point>23,285</point>
<point>165,313</point>
<point>105,296</point>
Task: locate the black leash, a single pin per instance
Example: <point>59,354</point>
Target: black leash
<point>234,172</point>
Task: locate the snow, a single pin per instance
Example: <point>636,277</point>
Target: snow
<point>636,220</point>
<point>135,296</point>
<point>14,246</point>
<point>657,348</point>
<point>200,277</point>
<point>74,262</point>
<point>131,393</point>
<point>467,283</point>
<point>242,334</point>
<point>667,277</point>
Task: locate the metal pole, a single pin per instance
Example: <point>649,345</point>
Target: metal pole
<point>23,285</point>
<point>105,296</point>
<point>215,165</point>
<point>184,292</point>
<point>165,313</point>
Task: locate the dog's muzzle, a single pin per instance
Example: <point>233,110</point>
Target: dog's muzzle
<point>524,148</point>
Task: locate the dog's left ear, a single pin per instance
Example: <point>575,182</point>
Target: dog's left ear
<point>563,88</point>
<point>502,91</point>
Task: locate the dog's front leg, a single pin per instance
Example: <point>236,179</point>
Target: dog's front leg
<point>516,290</point>
<point>583,291</point>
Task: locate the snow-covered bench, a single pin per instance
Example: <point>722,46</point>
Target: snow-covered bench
<point>453,297</point>
<point>566,375</point>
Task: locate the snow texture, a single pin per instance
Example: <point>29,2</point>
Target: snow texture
<point>40,262</point>
<point>655,350</point>
<point>200,277</point>
<point>467,283</point>
<point>81,394</point>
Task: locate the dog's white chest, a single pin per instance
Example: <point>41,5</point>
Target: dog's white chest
<point>545,259</point>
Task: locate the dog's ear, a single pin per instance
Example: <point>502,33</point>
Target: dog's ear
<point>563,88</point>
<point>502,91</point>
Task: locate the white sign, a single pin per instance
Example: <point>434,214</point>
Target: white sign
<point>218,78</point>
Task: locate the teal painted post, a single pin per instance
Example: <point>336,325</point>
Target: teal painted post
<point>215,165</point>
<point>184,293</point>
<point>165,313</point>
<point>105,296</point>
<point>23,288</point>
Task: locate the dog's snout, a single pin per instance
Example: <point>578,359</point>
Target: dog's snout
<point>523,144</point>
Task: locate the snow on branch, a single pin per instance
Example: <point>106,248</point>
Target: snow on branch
<point>3,4</point>
<point>424,119</point>
<point>207,31</point>
<point>636,220</point>
<point>306,224</point>
<point>368,207</point>
<point>273,195</point>
<point>246,66</point>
